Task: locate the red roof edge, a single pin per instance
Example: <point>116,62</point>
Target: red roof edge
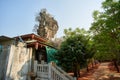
<point>31,36</point>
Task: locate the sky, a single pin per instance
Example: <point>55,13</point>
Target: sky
<point>17,17</point>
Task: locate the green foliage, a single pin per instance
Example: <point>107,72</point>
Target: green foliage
<point>75,49</point>
<point>106,30</point>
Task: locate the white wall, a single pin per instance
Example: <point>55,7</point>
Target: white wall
<point>4,55</point>
<point>19,62</point>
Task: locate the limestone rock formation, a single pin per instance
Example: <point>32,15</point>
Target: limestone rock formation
<point>48,26</point>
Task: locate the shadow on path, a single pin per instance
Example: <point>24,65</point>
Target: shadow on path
<point>102,73</point>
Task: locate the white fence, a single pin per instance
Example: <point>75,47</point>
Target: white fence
<point>50,72</point>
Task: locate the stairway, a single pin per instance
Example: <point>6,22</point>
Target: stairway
<point>50,72</point>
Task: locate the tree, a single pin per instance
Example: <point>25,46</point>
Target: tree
<point>106,29</point>
<point>74,51</point>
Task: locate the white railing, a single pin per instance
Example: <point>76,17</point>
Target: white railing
<point>64,73</point>
<point>42,70</point>
<point>50,72</point>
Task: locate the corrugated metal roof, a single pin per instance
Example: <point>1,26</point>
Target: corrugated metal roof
<point>5,38</point>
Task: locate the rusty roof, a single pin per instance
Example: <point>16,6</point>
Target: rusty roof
<point>31,36</point>
<point>5,38</point>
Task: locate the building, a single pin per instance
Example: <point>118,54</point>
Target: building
<point>17,55</point>
<point>5,43</point>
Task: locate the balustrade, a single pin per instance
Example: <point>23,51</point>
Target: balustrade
<point>50,72</point>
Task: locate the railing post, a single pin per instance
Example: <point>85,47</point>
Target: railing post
<point>74,78</point>
<point>49,71</point>
<point>35,67</point>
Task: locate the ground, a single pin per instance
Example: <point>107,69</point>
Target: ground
<point>102,71</point>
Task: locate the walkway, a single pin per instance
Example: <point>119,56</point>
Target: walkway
<point>102,73</point>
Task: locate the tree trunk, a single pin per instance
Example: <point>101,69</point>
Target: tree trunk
<point>116,66</point>
<point>87,68</point>
<point>92,63</point>
<point>76,71</point>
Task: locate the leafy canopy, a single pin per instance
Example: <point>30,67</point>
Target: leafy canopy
<point>106,30</point>
<point>74,49</point>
